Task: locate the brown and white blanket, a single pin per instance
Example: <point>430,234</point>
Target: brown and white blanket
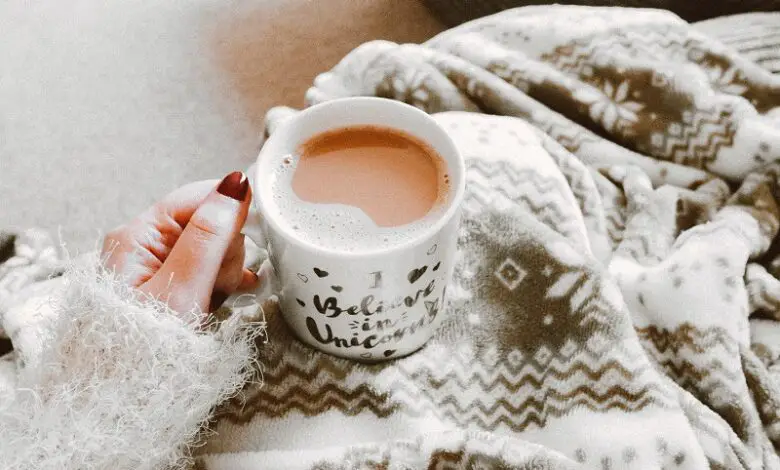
<point>616,303</point>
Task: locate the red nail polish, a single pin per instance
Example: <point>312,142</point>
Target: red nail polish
<point>235,185</point>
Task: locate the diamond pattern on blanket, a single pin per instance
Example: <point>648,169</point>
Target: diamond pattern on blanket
<point>510,274</point>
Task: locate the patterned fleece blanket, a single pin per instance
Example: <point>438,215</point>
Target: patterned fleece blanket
<point>616,301</point>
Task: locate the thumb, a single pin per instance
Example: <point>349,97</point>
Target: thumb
<point>187,277</point>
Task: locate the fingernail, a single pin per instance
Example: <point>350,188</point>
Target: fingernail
<point>235,185</point>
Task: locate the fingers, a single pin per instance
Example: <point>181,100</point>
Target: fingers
<point>190,271</point>
<point>122,254</point>
<point>137,250</point>
<point>180,204</point>
<point>233,276</point>
<point>249,280</point>
<point>230,272</point>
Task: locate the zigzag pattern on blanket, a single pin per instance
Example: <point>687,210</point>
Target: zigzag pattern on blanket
<point>298,381</point>
<point>289,388</point>
<point>707,362</point>
<point>497,414</point>
<point>704,362</point>
<point>571,137</point>
<point>689,337</point>
<point>697,140</point>
<point>577,176</point>
<point>525,188</point>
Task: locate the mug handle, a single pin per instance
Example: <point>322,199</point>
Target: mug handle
<point>253,228</point>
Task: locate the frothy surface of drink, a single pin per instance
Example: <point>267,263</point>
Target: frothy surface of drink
<point>360,188</point>
<point>392,178</point>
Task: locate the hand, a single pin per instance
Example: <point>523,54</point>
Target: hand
<point>187,249</point>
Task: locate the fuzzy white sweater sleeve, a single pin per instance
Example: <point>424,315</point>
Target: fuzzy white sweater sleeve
<point>102,380</point>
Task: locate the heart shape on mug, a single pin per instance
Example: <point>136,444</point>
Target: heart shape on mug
<point>416,274</point>
<point>320,273</point>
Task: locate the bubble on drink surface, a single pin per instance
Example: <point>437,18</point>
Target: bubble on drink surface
<point>333,226</point>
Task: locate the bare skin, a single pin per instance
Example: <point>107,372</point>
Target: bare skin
<point>187,249</point>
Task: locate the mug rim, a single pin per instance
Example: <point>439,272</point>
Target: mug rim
<point>454,204</point>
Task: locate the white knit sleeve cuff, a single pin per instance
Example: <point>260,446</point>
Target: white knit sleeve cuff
<point>110,381</point>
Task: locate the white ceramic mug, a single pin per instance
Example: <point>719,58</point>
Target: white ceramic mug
<point>369,306</point>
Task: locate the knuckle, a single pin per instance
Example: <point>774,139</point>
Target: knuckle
<point>204,228</point>
<point>155,214</point>
<point>115,239</point>
<point>212,221</point>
